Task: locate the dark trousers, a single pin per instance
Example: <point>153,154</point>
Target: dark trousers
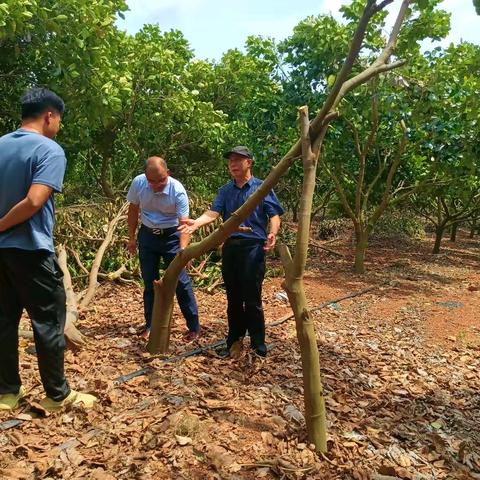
<point>243,270</point>
<point>152,249</point>
<point>32,280</point>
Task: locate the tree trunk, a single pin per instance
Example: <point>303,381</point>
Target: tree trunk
<point>105,179</point>
<point>453,232</point>
<point>295,213</point>
<point>360,250</point>
<point>315,412</point>
<point>314,401</point>
<point>473,228</point>
<point>438,238</point>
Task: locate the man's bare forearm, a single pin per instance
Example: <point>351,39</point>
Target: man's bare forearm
<point>36,197</point>
<point>208,217</point>
<point>132,219</point>
<point>275,224</point>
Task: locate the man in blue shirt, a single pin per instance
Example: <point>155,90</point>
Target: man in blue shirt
<point>162,203</point>
<point>32,166</point>
<point>243,255</point>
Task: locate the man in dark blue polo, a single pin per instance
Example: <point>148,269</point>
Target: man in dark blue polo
<point>243,256</point>
<point>32,166</point>
<point>161,202</point>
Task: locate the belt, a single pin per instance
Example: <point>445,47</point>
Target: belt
<point>160,231</point>
<point>243,241</point>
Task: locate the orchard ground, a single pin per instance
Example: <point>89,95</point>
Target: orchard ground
<point>400,367</point>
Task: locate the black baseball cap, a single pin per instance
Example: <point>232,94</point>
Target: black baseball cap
<point>239,150</point>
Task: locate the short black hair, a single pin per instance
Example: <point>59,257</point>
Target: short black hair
<point>36,100</point>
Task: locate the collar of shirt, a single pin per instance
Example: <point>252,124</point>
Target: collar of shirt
<point>248,183</point>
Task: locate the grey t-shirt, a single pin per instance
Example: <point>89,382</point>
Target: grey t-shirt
<point>28,158</point>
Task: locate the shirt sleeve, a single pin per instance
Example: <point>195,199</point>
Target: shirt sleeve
<point>272,205</point>
<point>132,195</point>
<point>218,204</point>
<point>181,204</point>
<point>49,170</point>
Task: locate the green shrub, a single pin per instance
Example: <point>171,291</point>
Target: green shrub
<point>332,228</point>
<point>398,224</point>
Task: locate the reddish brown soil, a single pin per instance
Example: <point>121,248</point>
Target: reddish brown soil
<point>400,369</point>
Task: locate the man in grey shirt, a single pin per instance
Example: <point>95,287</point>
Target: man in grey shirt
<point>32,167</point>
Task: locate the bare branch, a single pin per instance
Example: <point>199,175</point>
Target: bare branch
<point>374,129</point>
<point>391,173</point>
<point>341,193</point>
<point>304,124</point>
<point>382,5</point>
<point>334,96</point>
<point>76,256</point>
<point>92,281</point>
<point>356,138</point>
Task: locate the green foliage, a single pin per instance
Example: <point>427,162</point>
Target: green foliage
<point>397,224</point>
<point>476,4</point>
<point>425,21</point>
<point>333,228</point>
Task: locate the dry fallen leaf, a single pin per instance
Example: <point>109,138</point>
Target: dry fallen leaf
<point>182,441</point>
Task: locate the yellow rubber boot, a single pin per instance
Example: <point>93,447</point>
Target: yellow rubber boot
<point>74,398</point>
<point>9,401</point>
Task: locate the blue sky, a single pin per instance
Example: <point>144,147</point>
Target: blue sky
<point>214,26</point>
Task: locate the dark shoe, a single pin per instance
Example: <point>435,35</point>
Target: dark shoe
<point>261,350</point>
<point>191,336</point>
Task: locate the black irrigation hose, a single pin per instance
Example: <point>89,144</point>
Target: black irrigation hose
<point>11,424</point>
<point>144,371</point>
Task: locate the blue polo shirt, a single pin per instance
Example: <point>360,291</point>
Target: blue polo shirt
<point>230,198</point>
<point>159,209</point>
<point>28,158</point>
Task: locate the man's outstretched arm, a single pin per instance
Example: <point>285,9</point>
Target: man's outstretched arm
<point>189,225</point>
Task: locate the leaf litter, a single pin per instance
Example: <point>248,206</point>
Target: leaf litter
<point>402,396</point>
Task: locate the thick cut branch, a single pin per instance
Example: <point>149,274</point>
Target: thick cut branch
<point>74,337</point>
<point>93,276</point>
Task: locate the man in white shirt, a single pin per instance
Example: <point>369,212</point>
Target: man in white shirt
<point>162,202</point>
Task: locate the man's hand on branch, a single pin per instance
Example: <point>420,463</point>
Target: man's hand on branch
<point>132,246</point>
<point>270,243</point>
<point>187,225</point>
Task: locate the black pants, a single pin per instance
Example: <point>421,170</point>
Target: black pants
<point>32,280</point>
<point>243,270</point>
